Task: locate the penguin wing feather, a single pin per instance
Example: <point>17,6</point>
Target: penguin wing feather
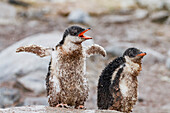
<point>38,50</point>
<point>95,49</point>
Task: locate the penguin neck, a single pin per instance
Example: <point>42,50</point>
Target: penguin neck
<point>71,46</point>
<point>133,67</point>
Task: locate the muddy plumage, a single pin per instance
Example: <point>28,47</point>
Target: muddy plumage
<point>66,79</point>
<point>117,87</point>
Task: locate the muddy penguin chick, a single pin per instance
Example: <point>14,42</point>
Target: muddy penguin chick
<point>117,87</point>
<point>66,80</point>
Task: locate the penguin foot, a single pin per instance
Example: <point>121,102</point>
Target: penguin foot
<point>80,107</point>
<point>62,105</point>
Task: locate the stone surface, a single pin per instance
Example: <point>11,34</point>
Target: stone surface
<point>119,47</point>
<point>7,18</point>
<point>8,97</point>
<point>114,50</point>
<point>166,107</point>
<point>140,14</point>
<point>45,109</point>
<point>151,4</point>
<point>34,81</point>
<point>168,63</point>
<point>26,62</point>
<point>167,4</point>
<point>33,13</point>
<point>116,19</point>
<point>159,17</point>
<point>79,16</point>
<point>36,101</point>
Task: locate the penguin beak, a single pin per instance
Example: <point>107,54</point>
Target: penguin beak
<point>82,34</point>
<point>142,54</point>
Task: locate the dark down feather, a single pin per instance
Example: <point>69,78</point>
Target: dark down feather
<point>47,79</point>
<point>105,98</point>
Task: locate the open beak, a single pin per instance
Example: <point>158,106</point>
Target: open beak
<point>142,54</point>
<point>82,34</point>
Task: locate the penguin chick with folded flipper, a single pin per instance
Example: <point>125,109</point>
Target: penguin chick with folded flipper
<point>66,80</point>
<point>117,86</point>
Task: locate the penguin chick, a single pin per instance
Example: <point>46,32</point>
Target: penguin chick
<point>117,87</point>
<point>66,80</point>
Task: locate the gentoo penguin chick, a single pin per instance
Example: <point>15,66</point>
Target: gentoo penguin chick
<point>66,80</point>
<point>117,87</point>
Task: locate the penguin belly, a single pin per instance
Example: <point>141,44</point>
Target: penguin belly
<point>68,80</point>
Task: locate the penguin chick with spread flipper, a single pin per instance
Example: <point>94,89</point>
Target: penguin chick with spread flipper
<point>66,80</point>
<point>117,87</point>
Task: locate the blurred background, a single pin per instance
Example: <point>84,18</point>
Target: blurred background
<point>116,25</point>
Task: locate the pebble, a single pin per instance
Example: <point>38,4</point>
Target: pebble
<point>140,13</point>
<point>79,16</point>
<point>116,19</point>
<point>159,17</point>
<point>168,63</point>
<point>8,97</point>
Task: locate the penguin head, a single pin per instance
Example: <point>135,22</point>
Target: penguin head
<point>134,55</point>
<point>74,34</point>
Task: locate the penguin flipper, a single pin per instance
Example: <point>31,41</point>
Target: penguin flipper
<point>38,50</point>
<point>95,49</point>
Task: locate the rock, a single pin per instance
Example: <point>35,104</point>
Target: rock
<point>168,63</point>
<point>33,13</point>
<point>159,17</point>
<point>34,81</point>
<point>166,107</point>
<point>24,63</point>
<point>4,7</point>
<point>36,101</point>
<point>7,18</point>
<point>45,109</point>
<point>165,78</point>
<point>20,64</point>
<point>8,97</point>
<point>167,4</point>
<point>115,50</point>
<point>32,24</point>
<point>126,4</point>
<point>152,56</point>
<point>79,16</point>
<point>140,14</point>
<point>151,4</point>
<point>116,19</point>
<point>140,99</point>
<point>19,3</point>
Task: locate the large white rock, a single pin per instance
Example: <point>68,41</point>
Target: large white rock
<point>34,82</point>
<point>13,63</point>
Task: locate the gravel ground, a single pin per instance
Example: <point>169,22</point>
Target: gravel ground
<point>154,80</point>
